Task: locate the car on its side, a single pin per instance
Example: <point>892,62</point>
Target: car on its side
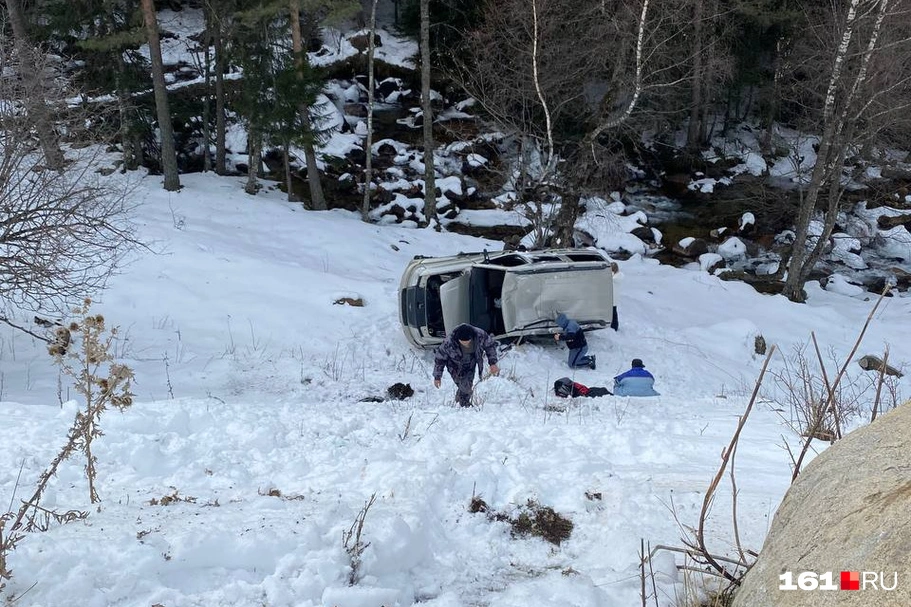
<point>509,294</point>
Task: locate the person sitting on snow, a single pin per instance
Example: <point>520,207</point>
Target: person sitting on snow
<point>574,337</point>
<point>635,382</point>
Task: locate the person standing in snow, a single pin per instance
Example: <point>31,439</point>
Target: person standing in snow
<point>635,382</point>
<point>574,337</point>
<point>460,354</point>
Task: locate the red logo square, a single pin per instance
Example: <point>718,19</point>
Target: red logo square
<point>850,580</point>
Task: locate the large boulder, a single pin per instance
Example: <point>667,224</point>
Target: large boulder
<point>849,511</point>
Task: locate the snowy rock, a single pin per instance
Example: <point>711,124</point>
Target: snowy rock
<point>352,94</point>
<point>711,262</point>
<point>475,160</point>
<point>622,243</point>
<point>657,235</point>
<point>839,515</point>
<point>362,42</point>
<point>719,234</point>
<point>617,208</point>
<point>885,222</point>
<point>691,247</point>
<point>896,243</point>
<point>732,248</point>
<point>767,268</point>
<point>644,233</point>
<point>846,249</point>
<point>747,223</point>
<point>836,283</point>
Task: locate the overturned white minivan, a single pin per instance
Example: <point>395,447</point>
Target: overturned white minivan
<point>507,293</point>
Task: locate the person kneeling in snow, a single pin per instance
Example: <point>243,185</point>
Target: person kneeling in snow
<point>565,388</point>
<point>574,337</point>
<point>635,382</point>
<point>462,351</point>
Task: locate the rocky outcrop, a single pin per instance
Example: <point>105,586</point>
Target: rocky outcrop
<point>849,511</point>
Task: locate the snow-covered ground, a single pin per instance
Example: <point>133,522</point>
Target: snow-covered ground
<point>248,386</point>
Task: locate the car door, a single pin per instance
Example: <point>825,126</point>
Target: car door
<point>454,300</point>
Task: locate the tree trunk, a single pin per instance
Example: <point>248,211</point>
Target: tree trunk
<point>218,41</point>
<point>286,165</point>
<point>131,158</point>
<point>207,102</point>
<point>168,152</point>
<point>368,168</point>
<point>36,103</point>
<point>254,146</point>
<point>430,189</point>
<point>695,127</point>
<point>839,119</point>
<point>317,198</point>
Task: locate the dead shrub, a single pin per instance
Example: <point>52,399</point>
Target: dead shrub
<point>531,519</point>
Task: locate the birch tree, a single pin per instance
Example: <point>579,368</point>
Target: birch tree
<point>368,143</point>
<point>867,84</point>
<point>563,76</point>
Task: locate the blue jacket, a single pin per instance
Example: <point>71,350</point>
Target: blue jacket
<point>572,333</point>
<point>635,382</point>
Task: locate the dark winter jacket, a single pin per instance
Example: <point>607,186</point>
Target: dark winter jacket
<point>449,353</point>
<point>635,382</point>
<point>572,333</point>
<point>565,388</point>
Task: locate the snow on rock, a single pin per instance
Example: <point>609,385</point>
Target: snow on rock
<point>896,243</point>
<point>753,163</point>
<point>611,230</point>
<point>837,283</point>
<point>846,249</point>
<point>657,236</point>
<point>732,248</point>
<point>449,184</point>
<point>465,104</point>
<point>710,261</point>
<point>400,148</point>
<point>747,219</point>
<point>622,242</point>
<point>800,160</point>
<point>767,268</point>
<point>475,160</point>
<point>705,185</point>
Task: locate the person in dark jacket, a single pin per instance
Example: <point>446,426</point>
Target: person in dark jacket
<point>460,354</point>
<point>635,382</point>
<point>567,388</point>
<point>574,337</point>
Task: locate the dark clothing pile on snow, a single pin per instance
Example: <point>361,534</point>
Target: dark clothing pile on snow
<point>566,388</point>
